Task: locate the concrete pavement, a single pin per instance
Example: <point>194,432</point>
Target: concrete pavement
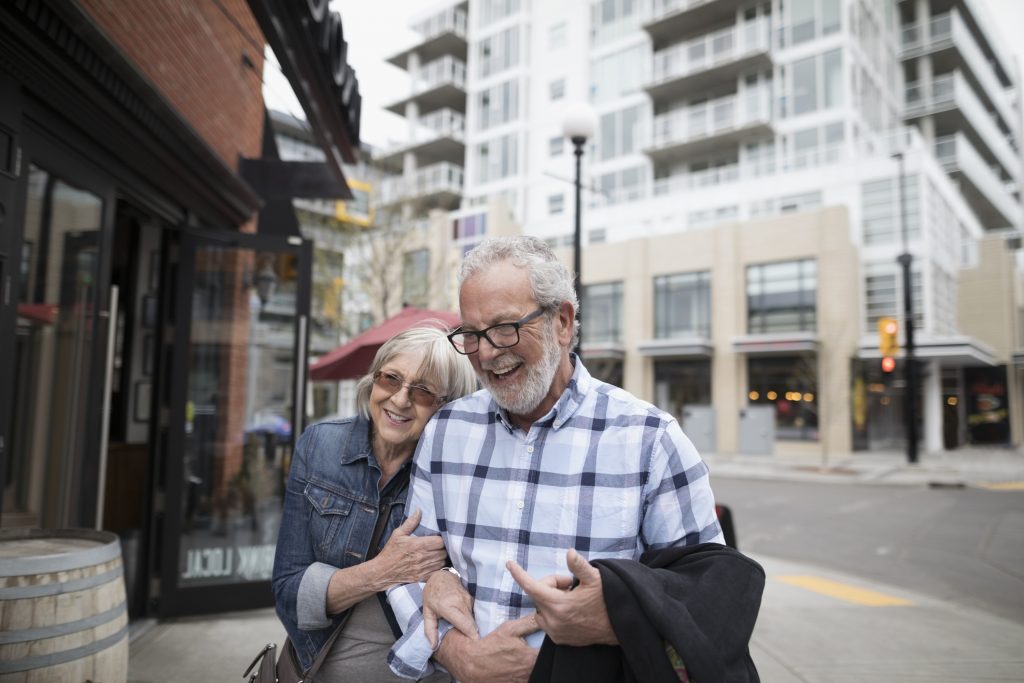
<point>815,625</point>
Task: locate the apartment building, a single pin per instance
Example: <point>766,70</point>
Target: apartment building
<point>757,169</point>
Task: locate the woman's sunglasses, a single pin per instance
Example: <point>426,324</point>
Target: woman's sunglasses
<point>418,394</point>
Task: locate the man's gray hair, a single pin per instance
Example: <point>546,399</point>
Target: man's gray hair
<point>550,280</point>
<point>446,370</point>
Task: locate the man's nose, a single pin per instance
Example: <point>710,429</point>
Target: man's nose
<point>487,350</point>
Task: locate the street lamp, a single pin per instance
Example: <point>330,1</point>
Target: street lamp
<point>910,371</point>
<point>579,124</point>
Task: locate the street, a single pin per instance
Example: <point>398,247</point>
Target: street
<point>964,545</point>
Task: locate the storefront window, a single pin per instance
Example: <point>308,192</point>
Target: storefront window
<point>602,311</point>
<point>790,384</point>
<point>682,305</point>
<point>679,383</point>
<point>781,297</point>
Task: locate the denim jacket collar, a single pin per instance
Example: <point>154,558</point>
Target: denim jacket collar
<point>357,445</point>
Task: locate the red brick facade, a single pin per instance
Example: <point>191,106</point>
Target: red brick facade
<point>192,51</point>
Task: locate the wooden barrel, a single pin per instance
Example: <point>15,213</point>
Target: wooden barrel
<point>63,613</point>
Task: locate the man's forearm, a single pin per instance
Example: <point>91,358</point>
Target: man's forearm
<point>452,654</point>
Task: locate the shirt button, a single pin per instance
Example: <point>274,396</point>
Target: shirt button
<point>529,449</point>
<point>519,504</point>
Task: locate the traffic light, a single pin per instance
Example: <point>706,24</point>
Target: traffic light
<point>888,364</point>
<point>888,340</point>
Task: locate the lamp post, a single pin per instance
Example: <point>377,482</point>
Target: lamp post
<point>579,124</point>
<point>910,370</point>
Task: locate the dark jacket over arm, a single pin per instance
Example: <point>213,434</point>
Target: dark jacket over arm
<point>702,599</point>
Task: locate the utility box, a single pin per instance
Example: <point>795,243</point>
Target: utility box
<point>757,430</point>
<point>699,426</point>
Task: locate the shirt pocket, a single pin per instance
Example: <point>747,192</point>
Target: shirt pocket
<point>329,522</point>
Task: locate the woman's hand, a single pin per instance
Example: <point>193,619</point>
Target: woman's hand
<point>406,558</point>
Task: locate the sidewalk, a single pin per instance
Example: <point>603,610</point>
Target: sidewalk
<point>815,625</point>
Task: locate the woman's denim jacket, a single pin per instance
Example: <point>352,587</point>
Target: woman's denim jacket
<point>330,509</point>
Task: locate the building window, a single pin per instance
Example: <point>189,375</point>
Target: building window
<point>781,297</point>
<point>790,385</point>
<point>493,10</point>
<point>556,36</point>
<point>498,52</point>
<point>883,293</point>
<point>621,186</point>
<point>469,231</point>
<point>498,105</point>
<point>618,133</point>
<point>556,204</point>
<point>682,305</point>
<point>882,213</point>
<point>556,89</point>
<point>556,145</point>
<point>497,158</point>
<point>817,82</point>
<point>619,73</point>
<point>415,278</point>
<point>610,19</point>
<point>602,309</point>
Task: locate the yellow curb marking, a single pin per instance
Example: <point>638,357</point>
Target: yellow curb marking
<point>842,591</point>
<point>1004,486</point>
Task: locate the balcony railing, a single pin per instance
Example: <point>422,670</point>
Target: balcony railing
<point>747,170</point>
<point>447,69</point>
<point>952,90</point>
<point>956,153</point>
<point>450,20</point>
<point>430,180</point>
<point>443,123</point>
<point>710,50</point>
<point>711,118</point>
<point>949,29</point>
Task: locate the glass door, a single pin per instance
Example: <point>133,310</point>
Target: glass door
<point>236,408</point>
<point>57,344</point>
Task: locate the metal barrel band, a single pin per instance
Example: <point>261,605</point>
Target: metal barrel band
<point>58,588</point>
<point>63,629</point>
<point>42,661</point>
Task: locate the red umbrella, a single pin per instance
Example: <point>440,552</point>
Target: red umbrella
<point>352,359</point>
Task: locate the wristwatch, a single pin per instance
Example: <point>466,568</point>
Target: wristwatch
<point>452,570</point>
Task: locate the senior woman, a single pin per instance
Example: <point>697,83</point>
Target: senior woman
<point>347,484</point>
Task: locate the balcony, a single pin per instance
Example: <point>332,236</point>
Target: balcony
<point>953,104</point>
<point>696,130</point>
<point>442,34</point>
<point>989,196</point>
<point>435,186</point>
<point>952,47</point>
<point>672,19</point>
<point>440,84</point>
<point>713,59</point>
<point>438,137</point>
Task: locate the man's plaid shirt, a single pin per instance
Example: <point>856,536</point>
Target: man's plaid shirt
<point>602,472</point>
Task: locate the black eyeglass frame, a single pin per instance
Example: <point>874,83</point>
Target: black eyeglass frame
<point>412,389</point>
<point>482,334</point>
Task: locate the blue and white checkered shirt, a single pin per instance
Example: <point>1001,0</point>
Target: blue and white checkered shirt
<point>602,472</point>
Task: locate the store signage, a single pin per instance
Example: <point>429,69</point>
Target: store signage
<point>328,35</point>
<point>230,564</point>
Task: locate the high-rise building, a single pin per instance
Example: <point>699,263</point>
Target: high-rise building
<point>756,171</point>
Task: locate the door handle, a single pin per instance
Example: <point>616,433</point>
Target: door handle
<point>108,374</point>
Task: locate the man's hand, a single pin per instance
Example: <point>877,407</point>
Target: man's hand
<point>501,655</point>
<point>444,597</point>
<point>569,616</point>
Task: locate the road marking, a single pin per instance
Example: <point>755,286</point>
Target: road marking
<point>1004,486</point>
<point>843,591</point>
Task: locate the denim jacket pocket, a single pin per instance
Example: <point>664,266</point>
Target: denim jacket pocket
<point>329,515</point>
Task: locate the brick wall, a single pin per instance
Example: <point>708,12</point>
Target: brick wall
<point>192,51</point>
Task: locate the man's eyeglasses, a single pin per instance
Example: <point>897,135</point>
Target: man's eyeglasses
<point>418,394</point>
<point>500,336</point>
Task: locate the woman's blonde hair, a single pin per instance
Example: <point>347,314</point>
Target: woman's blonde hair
<point>446,370</point>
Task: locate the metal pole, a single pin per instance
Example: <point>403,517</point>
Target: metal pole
<point>910,369</point>
<point>577,249</point>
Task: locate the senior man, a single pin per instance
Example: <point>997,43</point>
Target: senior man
<point>541,470</point>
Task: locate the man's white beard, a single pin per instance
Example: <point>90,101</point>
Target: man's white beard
<point>524,397</point>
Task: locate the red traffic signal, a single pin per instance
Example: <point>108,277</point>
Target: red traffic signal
<point>888,364</point>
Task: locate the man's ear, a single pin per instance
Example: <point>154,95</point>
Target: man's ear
<point>566,321</point>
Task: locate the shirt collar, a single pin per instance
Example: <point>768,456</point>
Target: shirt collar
<point>566,405</point>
